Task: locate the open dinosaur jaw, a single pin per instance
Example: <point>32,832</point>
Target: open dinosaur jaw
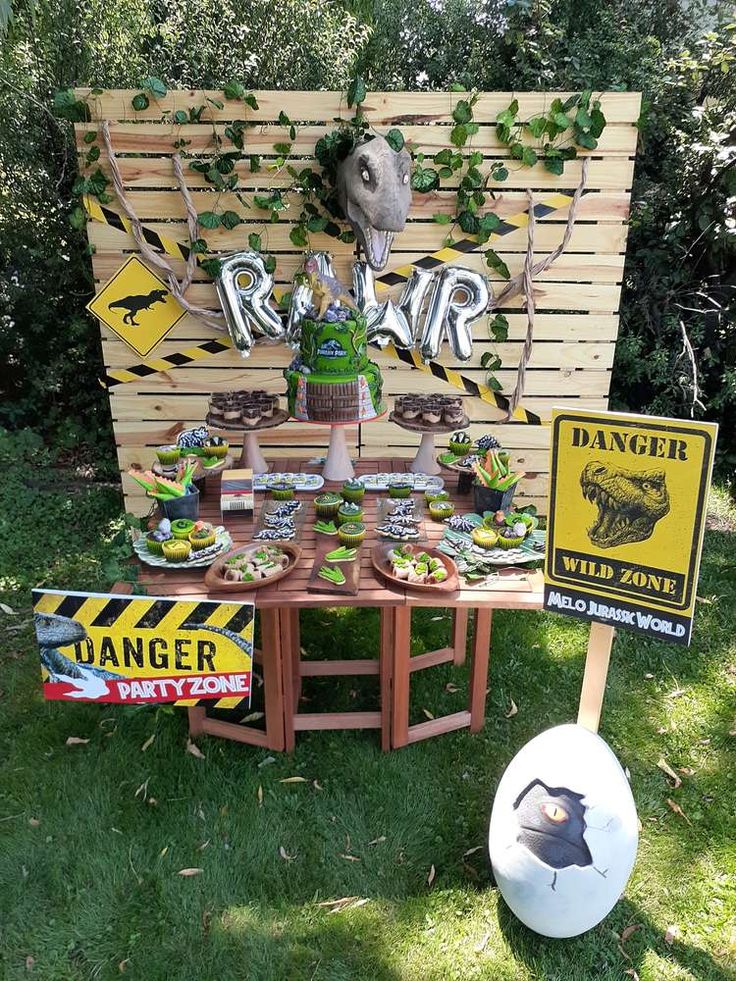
<point>616,523</point>
<point>376,245</point>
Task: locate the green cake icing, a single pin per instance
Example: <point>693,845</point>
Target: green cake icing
<point>332,379</point>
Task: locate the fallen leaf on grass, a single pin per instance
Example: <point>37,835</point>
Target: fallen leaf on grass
<point>676,693</point>
<point>204,844</point>
<point>632,973</point>
<point>349,858</point>
<point>472,851</point>
<point>378,841</point>
<point>666,768</point>
<point>512,710</point>
<point>267,761</point>
<point>686,771</point>
<point>188,872</point>
<point>259,795</point>
<point>30,961</point>
<point>163,851</point>
<point>195,750</point>
<point>481,945</point>
<point>122,965</point>
<point>75,741</point>
<point>149,742</point>
<point>337,902</point>
<point>674,806</point>
<point>629,931</point>
<point>450,688</point>
<point>430,877</point>
<point>317,785</point>
<point>253,717</point>
<point>8,610</point>
<point>285,855</point>
<point>671,933</point>
<point>143,789</point>
<point>293,780</point>
<point>428,713</point>
<point>34,822</point>
<point>206,918</point>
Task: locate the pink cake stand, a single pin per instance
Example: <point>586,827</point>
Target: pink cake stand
<point>338,465</point>
<point>425,460</point>
<point>251,457</point>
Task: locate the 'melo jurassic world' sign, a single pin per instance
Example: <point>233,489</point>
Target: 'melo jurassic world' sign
<point>105,648</point>
<point>626,519</point>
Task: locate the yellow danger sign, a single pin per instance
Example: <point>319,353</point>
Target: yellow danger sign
<point>137,306</point>
<point>628,498</point>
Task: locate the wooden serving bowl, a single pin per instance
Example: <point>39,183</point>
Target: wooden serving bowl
<point>214,577</point>
<point>382,565</point>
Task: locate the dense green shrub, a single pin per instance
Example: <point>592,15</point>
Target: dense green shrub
<point>681,263</point>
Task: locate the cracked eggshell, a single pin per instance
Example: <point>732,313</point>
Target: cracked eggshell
<point>588,829</point>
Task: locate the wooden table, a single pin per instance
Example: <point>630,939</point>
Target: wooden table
<point>393,665</point>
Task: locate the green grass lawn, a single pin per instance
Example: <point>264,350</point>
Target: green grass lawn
<point>93,836</point>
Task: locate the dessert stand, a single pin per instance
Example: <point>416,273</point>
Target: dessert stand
<point>338,464</point>
<point>251,457</point>
<point>425,460</point>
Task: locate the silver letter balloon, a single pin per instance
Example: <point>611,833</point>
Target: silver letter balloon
<point>450,317</point>
<point>301,297</point>
<point>386,322</point>
<point>246,308</point>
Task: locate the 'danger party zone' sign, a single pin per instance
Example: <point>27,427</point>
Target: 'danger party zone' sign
<point>107,648</point>
<point>626,520</point>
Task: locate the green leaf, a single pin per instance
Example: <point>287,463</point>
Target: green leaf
<point>536,126</point>
<point>298,236</point>
<point>462,113</point>
<point>224,165</point>
<point>468,222</point>
<point>230,219</point>
<point>213,267</point>
<point>233,90</point>
<point>250,100</point>
<point>586,140</point>
<point>217,103</point>
<point>78,218</point>
<point>180,117</point>
<point>425,179</point>
<point>96,91</point>
<point>494,384</point>
<point>489,223</point>
<point>495,262</point>
<point>442,219</point>
<point>459,135</point>
<point>97,182</point>
<point>199,246</point>
<point>270,263</point>
<point>490,361</point>
<point>93,154</point>
<point>569,103</point>
<point>516,150</point>
<point>254,242</point>
<point>457,87</point>
<point>554,165</point>
<point>528,156</point>
<point>503,132</point>
<point>582,119</point>
<point>357,91</point>
<point>90,137</point>
<point>140,102</point>
<point>598,122</point>
<point>316,223</point>
<point>284,119</point>
<point>475,159</point>
<point>255,163</point>
<point>443,157</point>
<point>500,173</point>
<point>283,149</point>
<point>395,139</point>
<point>561,120</point>
<point>499,328</point>
<point>208,219</point>
<point>155,86</point>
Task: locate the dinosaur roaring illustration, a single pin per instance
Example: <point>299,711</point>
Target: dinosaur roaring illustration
<point>629,502</point>
<point>374,192</point>
<point>134,304</point>
<point>54,631</point>
<point>326,290</point>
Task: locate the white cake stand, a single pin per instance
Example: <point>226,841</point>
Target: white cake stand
<point>338,464</point>
<point>251,457</point>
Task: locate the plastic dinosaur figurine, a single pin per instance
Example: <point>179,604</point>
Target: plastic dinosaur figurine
<point>326,290</point>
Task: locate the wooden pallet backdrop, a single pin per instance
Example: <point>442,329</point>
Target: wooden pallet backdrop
<point>577,299</point>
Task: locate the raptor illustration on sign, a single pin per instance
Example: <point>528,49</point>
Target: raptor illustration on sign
<point>626,519</point>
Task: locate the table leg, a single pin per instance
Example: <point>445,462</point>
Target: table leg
<point>459,635</point>
<point>400,676</point>
<point>197,715</point>
<point>479,668</point>
<point>596,672</point>
<point>385,658</point>
<point>296,650</point>
<point>273,684</point>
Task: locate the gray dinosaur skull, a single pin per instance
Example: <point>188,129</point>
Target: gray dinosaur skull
<point>374,192</point>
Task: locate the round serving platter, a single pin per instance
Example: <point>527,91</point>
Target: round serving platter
<point>214,576</point>
<point>382,565</point>
<point>197,560</point>
<point>440,428</point>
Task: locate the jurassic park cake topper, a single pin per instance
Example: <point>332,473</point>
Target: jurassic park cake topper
<point>628,497</point>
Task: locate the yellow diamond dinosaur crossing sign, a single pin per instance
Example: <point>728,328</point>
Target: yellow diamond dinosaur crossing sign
<point>628,498</point>
<point>102,647</point>
<point>137,305</point>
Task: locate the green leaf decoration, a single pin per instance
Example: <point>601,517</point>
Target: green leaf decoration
<point>230,219</point>
<point>499,328</point>
<point>140,102</point>
<point>254,242</point>
<point>90,137</point>
<point>586,140</point>
<point>180,117</point>
<point>250,100</point>
<point>494,384</point>
<point>155,86</point>
<point>208,219</point>
<point>78,218</point>
<point>233,90</point>
<point>254,161</point>
<point>554,165</point>
<point>499,173</point>
<point>459,135</point>
<point>97,182</point>
<point>94,154</point>
<point>316,223</point>
<point>357,91</point>
<point>536,126</point>
<point>283,149</point>
<point>425,179</point>
<point>495,262</point>
<point>395,139</point>
<point>199,246</point>
<point>298,236</point>
<point>213,267</point>
<point>528,156</point>
<point>462,113</point>
<point>269,263</point>
<point>468,222</point>
<point>442,219</point>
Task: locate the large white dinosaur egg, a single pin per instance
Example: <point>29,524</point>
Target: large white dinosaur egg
<point>564,832</point>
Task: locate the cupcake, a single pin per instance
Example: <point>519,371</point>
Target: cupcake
<point>326,505</point>
<point>399,488</point>
<point>216,446</point>
<point>460,444</point>
<point>202,536</point>
<point>436,495</point>
<point>181,528</point>
<point>507,538</point>
<point>351,533</point>
<point>353,490</point>
<point>484,537</point>
<point>282,490</point>
<point>441,510</point>
<point>176,550</point>
<point>168,454</point>
<point>348,511</point>
<point>155,539</point>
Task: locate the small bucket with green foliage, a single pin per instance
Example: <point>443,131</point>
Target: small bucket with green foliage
<point>495,483</point>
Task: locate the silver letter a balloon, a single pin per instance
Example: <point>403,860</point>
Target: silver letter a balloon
<point>246,307</point>
<point>301,298</point>
<point>386,322</point>
<point>451,316</point>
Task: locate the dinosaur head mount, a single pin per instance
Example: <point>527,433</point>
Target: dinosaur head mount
<point>629,503</point>
<point>374,192</point>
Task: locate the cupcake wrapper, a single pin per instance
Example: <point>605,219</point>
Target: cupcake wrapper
<point>168,457</point>
<point>506,542</point>
<point>153,546</point>
<point>347,539</point>
<point>354,495</point>
<point>399,492</point>
<point>199,543</point>
<point>217,451</point>
<point>342,519</point>
<point>178,558</point>
<point>282,495</point>
<point>326,510</point>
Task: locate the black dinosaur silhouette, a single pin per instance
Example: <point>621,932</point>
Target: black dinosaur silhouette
<point>134,304</point>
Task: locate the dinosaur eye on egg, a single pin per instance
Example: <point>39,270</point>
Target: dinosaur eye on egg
<point>553,812</point>
<point>365,175</point>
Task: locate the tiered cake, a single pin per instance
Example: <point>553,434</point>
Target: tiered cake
<point>332,379</point>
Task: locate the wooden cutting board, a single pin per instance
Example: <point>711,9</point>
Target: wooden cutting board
<point>351,570</point>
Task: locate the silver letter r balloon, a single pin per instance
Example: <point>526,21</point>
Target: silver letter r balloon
<point>246,307</point>
<point>451,316</point>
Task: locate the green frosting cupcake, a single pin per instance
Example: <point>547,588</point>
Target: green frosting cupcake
<point>282,491</point>
<point>353,490</point>
<point>182,528</point>
<point>348,511</point>
<point>436,495</point>
<point>168,454</point>
<point>400,488</point>
<point>351,533</point>
<point>441,510</point>
<point>327,505</point>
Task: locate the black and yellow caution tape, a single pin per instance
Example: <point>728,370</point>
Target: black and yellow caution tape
<point>106,216</point>
<point>462,382</point>
<point>121,376</point>
<point>115,617</point>
<point>555,202</point>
